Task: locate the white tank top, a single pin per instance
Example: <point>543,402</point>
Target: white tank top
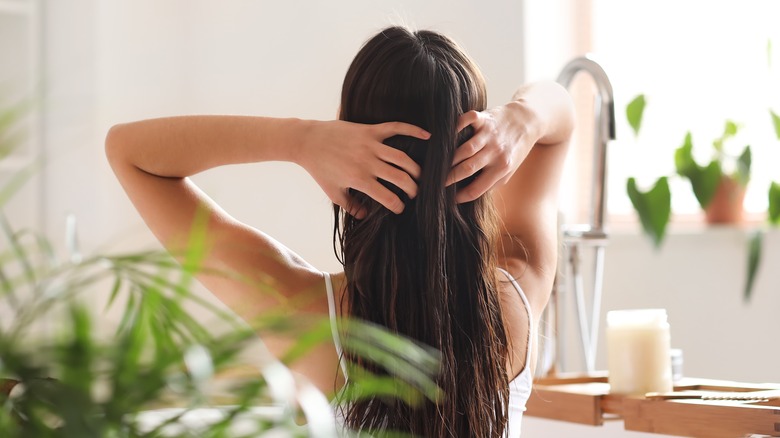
<point>519,387</point>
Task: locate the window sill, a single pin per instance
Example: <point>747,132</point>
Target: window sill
<point>685,224</point>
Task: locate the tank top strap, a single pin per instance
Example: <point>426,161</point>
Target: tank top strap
<point>531,334</point>
<point>334,331</point>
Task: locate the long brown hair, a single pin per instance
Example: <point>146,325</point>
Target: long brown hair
<point>430,272</point>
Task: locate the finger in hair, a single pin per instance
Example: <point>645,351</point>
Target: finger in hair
<point>398,178</point>
<point>470,166</point>
<point>467,119</point>
<point>381,194</point>
<point>390,129</point>
<point>481,185</point>
<point>467,150</point>
<point>400,159</point>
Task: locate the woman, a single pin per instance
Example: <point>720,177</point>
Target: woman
<point>447,235</point>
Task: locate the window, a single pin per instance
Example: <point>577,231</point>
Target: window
<point>699,64</point>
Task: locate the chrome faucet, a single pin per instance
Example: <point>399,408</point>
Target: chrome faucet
<point>576,237</point>
<point>605,131</point>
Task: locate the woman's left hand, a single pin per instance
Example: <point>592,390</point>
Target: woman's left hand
<point>502,138</point>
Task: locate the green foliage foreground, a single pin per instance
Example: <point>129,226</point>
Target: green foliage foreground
<point>61,377</point>
<point>78,382</point>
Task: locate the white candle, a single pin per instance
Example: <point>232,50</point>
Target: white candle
<point>638,357</point>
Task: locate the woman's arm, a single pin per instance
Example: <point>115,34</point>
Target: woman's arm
<point>521,148</point>
<point>154,158</point>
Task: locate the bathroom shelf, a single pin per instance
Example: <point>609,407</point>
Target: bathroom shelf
<point>585,399</point>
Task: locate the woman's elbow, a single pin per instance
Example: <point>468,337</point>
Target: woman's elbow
<point>115,143</point>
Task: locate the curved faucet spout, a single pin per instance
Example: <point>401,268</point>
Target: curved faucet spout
<point>593,234</point>
<point>605,131</point>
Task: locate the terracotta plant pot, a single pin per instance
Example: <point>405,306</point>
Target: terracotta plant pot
<point>726,205</point>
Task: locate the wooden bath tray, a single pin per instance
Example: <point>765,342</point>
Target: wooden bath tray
<point>585,399</point>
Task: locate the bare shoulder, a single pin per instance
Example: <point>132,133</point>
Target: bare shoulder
<point>339,282</point>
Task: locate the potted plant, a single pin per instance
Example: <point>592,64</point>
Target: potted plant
<point>719,187</point>
<point>720,192</point>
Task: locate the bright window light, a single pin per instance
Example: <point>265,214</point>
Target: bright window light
<point>699,64</point>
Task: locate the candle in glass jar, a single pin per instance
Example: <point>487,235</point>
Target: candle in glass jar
<point>638,351</point>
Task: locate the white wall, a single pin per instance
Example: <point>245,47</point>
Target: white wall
<point>70,136</point>
<point>111,62</point>
<point>699,277</point>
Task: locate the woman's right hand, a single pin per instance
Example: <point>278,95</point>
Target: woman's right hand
<point>341,155</point>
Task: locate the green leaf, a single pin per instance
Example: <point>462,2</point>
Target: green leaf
<point>307,341</point>
<point>654,208</point>
<point>729,130</point>
<point>392,363</point>
<point>417,355</point>
<point>705,183</point>
<point>634,111</point>
<point>683,157</point>
<point>744,162</point>
<point>129,313</point>
<point>380,387</point>
<point>21,255</point>
<point>774,203</point>
<point>10,134</point>
<point>754,260</point>
<point>114,291</point>
<point>704,180</point>
<point>77,352</point>
<point>776,123</point>
<point>196,247</point>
